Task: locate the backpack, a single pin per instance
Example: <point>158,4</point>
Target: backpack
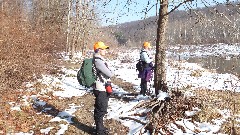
<point>87,74</point>
<point>140,66</point>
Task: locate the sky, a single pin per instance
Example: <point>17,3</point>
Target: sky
<point>126,71</point>
<point>119,11</point>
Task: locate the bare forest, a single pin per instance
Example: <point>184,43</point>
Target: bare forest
<point>34,32</point>
<point>206,25</point>
<point>32,29</point>
<point>35,35</point>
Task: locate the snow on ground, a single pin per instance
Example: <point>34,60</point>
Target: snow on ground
<point>176,77</point>
<point>204,50</point>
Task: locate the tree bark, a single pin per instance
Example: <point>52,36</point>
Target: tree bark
<point>68,27</point>
<point>160,57</point>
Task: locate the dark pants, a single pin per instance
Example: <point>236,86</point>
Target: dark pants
<point>100,109</point>
<point>143,86</point>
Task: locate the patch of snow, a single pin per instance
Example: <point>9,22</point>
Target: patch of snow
<point>47,130</point>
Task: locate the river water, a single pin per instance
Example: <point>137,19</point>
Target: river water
<point>221,57</point>
<point>220,64</point>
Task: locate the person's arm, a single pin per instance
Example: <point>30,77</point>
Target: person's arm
<point>102,67</point>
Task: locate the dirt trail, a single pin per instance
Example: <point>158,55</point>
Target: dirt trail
<point>83,122</point>
<point>37,117</point>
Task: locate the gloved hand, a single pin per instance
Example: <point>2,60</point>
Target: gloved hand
<point>151,65</point>
<point>108,87</point>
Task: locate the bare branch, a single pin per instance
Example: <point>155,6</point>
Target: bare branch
<point>130,118</point>
<point>176,7</point>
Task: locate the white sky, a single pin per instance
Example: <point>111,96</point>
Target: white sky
<point>127,72</point>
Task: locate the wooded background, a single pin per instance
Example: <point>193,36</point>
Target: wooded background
<point>32,29</point>
<point>34,34</point>
<point>207,25</point>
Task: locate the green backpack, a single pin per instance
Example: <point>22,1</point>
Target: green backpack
<point>87,74</point>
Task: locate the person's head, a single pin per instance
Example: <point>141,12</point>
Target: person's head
<point>100,47</point>
<point>147,45</point>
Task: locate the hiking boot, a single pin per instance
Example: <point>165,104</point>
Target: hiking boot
<point>106,130</point>
<point>103,133</point>
<point>141,92</point>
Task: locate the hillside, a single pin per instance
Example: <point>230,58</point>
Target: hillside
<point>216,24</point>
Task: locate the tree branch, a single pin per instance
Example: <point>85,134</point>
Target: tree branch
<point>124,118</point>
<point>179,6</point>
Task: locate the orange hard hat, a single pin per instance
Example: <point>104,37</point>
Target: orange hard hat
<point>100,45</point>
<point>147,44</point>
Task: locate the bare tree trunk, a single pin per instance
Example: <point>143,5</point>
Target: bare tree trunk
<point>160,57</point>
<point>84,29</point>
<point>2,5</point>
<point>68,28</point>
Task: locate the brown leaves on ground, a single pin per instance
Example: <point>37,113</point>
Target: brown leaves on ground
<point>24,56</point>
<point>127,86</point>
<point>213,100</point>
<point>23,53</point>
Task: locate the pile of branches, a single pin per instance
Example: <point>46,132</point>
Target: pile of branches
<point>163,112</point>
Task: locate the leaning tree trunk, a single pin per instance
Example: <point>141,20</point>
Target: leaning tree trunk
<point>160,57</point>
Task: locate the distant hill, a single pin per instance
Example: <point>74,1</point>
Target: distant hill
<point>206,25</point>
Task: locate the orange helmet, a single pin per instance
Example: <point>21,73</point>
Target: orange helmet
<point>100,45</point>
<point>147,44</point>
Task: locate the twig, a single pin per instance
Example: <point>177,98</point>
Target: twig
<point>143,104</point>
<point>187,127</point>
<point>176,7</point>
<point>139,121</point>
